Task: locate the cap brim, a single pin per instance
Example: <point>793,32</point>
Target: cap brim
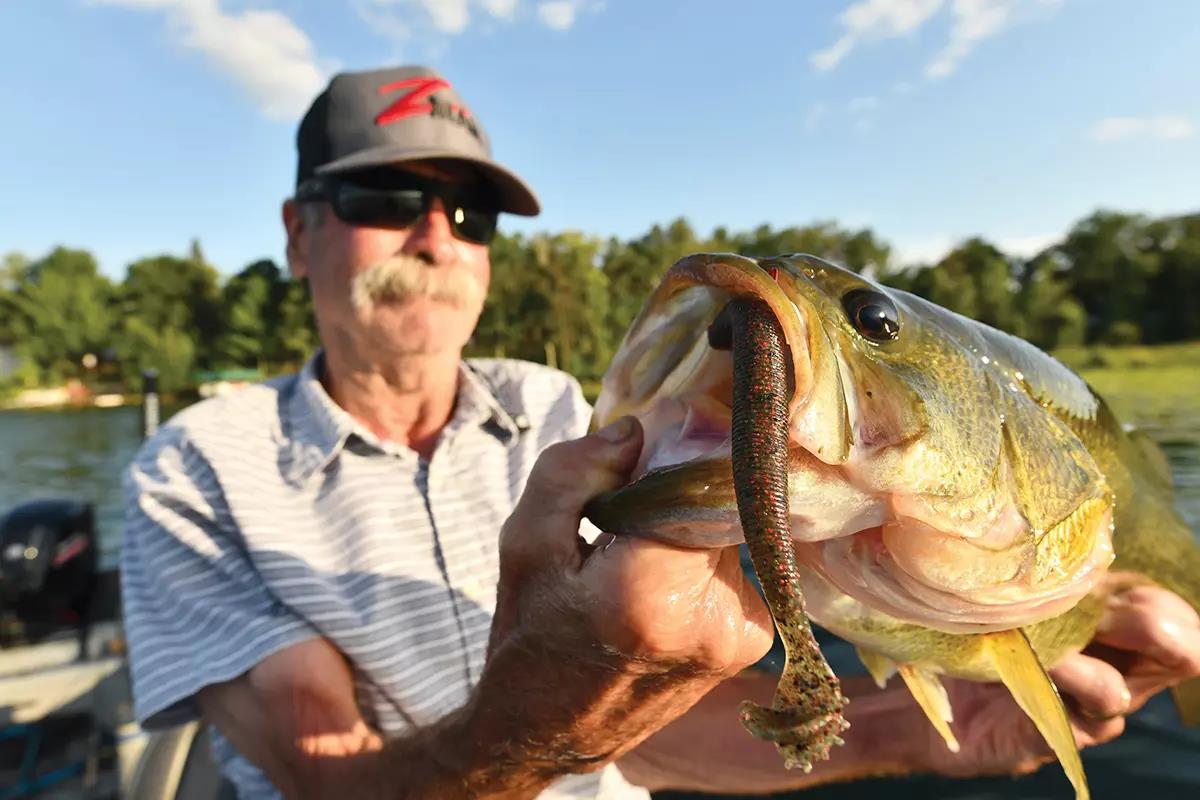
<point>515,196</point>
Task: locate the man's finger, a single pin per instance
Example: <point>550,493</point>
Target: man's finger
<point>1096,689</point>
<point>1156,624</point>
<point>543,526</point>
<point>1089,732</point>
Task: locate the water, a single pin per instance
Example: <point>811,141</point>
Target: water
<point>76,454</point>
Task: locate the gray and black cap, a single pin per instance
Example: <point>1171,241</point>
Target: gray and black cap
<point>389,116</point>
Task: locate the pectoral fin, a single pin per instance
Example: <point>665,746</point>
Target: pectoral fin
<point>930,695</point>
<point>881,667</point>
<point>1037,696</point>
<point>1187,700</point>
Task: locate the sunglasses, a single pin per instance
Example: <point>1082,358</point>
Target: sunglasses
<point>397,200</point>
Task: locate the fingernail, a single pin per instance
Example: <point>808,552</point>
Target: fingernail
<point>617,431</point>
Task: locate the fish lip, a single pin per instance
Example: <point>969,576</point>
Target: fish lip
<point>732,277</point>
<point>740,276</point>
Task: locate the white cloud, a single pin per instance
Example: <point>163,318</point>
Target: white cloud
<point>501,9</point>
<point>263,51</point>
<point>449,16</point>
<point>558,14</point>
<point>399,19</point>
<point>972,21</point>
<point>874,19</point>
<point>1115,129</point>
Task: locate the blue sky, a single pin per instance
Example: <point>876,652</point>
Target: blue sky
<point>131,126</point>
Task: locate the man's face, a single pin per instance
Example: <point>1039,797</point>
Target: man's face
<point>384,292</point>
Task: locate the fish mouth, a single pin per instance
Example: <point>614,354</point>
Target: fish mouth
<point>674,375</point>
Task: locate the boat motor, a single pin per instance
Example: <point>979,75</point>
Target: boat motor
<point>48,566</point>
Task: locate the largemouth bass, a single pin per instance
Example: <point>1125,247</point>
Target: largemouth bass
<point>951,495</point>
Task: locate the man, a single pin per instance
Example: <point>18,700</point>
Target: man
<point>321,567</point>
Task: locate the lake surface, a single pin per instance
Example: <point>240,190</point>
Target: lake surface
<point>82,453</point>
<point>77,454</point>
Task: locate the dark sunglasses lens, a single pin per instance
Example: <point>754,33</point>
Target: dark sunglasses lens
<point>473,224</point>
<point>378,208</point>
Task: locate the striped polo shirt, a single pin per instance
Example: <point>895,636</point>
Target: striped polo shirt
<point>270,516</point>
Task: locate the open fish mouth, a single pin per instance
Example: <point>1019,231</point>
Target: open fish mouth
<point>878,510</point>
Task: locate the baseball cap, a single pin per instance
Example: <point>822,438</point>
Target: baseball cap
<point>388,116</point>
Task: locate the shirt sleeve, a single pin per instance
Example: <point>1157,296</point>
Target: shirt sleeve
<point>196,610</point>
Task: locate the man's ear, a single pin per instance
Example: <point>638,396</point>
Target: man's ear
<point>295,225</point>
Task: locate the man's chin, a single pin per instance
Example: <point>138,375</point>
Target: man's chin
<point>420,324</point>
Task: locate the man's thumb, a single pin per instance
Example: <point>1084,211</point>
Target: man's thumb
<point>565,477</point>
<point>569,474</point>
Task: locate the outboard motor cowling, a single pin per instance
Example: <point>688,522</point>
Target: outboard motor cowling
<point>47,567</point>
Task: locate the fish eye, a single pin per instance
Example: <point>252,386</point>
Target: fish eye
<point>873,314</point>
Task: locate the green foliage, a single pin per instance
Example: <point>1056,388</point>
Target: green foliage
<point>976,280</point>
<point>13,268</point>
<point>294,337</point>
<point>568,298</point>
<point>547,301</point>
<point>250,307</point>
<point>58,311</point>
<point>632,270</point>
<point>168,350</point>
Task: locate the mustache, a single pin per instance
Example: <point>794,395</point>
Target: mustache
<point>403,277</point>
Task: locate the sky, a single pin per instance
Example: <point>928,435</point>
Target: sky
<point>131,127</point>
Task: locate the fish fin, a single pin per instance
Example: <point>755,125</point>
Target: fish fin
<point>1187,700</point>
<point>1036,694</point>
<point>931,696</point>
<point>880,666</point>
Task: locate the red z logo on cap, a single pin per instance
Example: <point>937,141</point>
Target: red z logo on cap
<point>410,104</point>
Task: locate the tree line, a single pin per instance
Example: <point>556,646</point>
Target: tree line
<point>567,298</point>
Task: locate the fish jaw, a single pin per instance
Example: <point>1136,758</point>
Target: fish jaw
<point>667,374</point>
<point>680,389</point>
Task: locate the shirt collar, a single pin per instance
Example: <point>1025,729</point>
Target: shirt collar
<point>317,428</point>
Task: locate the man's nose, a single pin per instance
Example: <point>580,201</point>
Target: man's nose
<point>430,238</point>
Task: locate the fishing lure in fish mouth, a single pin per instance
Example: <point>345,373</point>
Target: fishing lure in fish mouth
<point>805,719</point>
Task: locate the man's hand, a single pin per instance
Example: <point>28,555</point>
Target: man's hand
<point>593,649</point>
<point>1147,641</point>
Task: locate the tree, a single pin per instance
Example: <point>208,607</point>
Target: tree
<point>1051,317</point>
<point>294,337</point>
<point>1111,266</point>
<point>976,280</point>
<point>547,303</point>
<point>1174,288</point>
<point>58,311</point>
<point>634,268</point>
<point>13,267</point>
<point>250,309</point>
<point>171,312</point>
